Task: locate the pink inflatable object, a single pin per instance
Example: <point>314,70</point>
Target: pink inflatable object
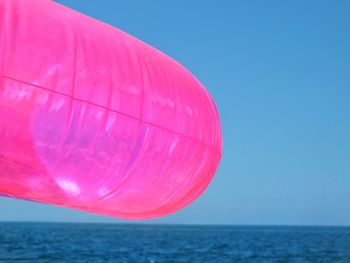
<point>93,119</point>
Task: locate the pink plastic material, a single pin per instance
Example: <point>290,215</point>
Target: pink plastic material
<point>93,119</point>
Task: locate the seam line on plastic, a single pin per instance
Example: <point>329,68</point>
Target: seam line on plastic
<point>122,113</point>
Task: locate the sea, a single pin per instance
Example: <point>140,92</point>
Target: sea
<point>75,242</point>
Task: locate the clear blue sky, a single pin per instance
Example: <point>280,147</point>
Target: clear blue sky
<point>280,74</point>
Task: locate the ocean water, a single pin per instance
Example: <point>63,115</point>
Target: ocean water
<point>41,242</point>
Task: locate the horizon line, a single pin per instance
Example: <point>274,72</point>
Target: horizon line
<point>170,224</point>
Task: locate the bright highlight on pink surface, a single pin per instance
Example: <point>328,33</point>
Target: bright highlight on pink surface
<point>93,119</point>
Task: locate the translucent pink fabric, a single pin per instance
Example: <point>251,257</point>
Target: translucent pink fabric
<point>93,119</point>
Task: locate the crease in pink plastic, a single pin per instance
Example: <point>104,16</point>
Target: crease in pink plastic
<point>93,119</point>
